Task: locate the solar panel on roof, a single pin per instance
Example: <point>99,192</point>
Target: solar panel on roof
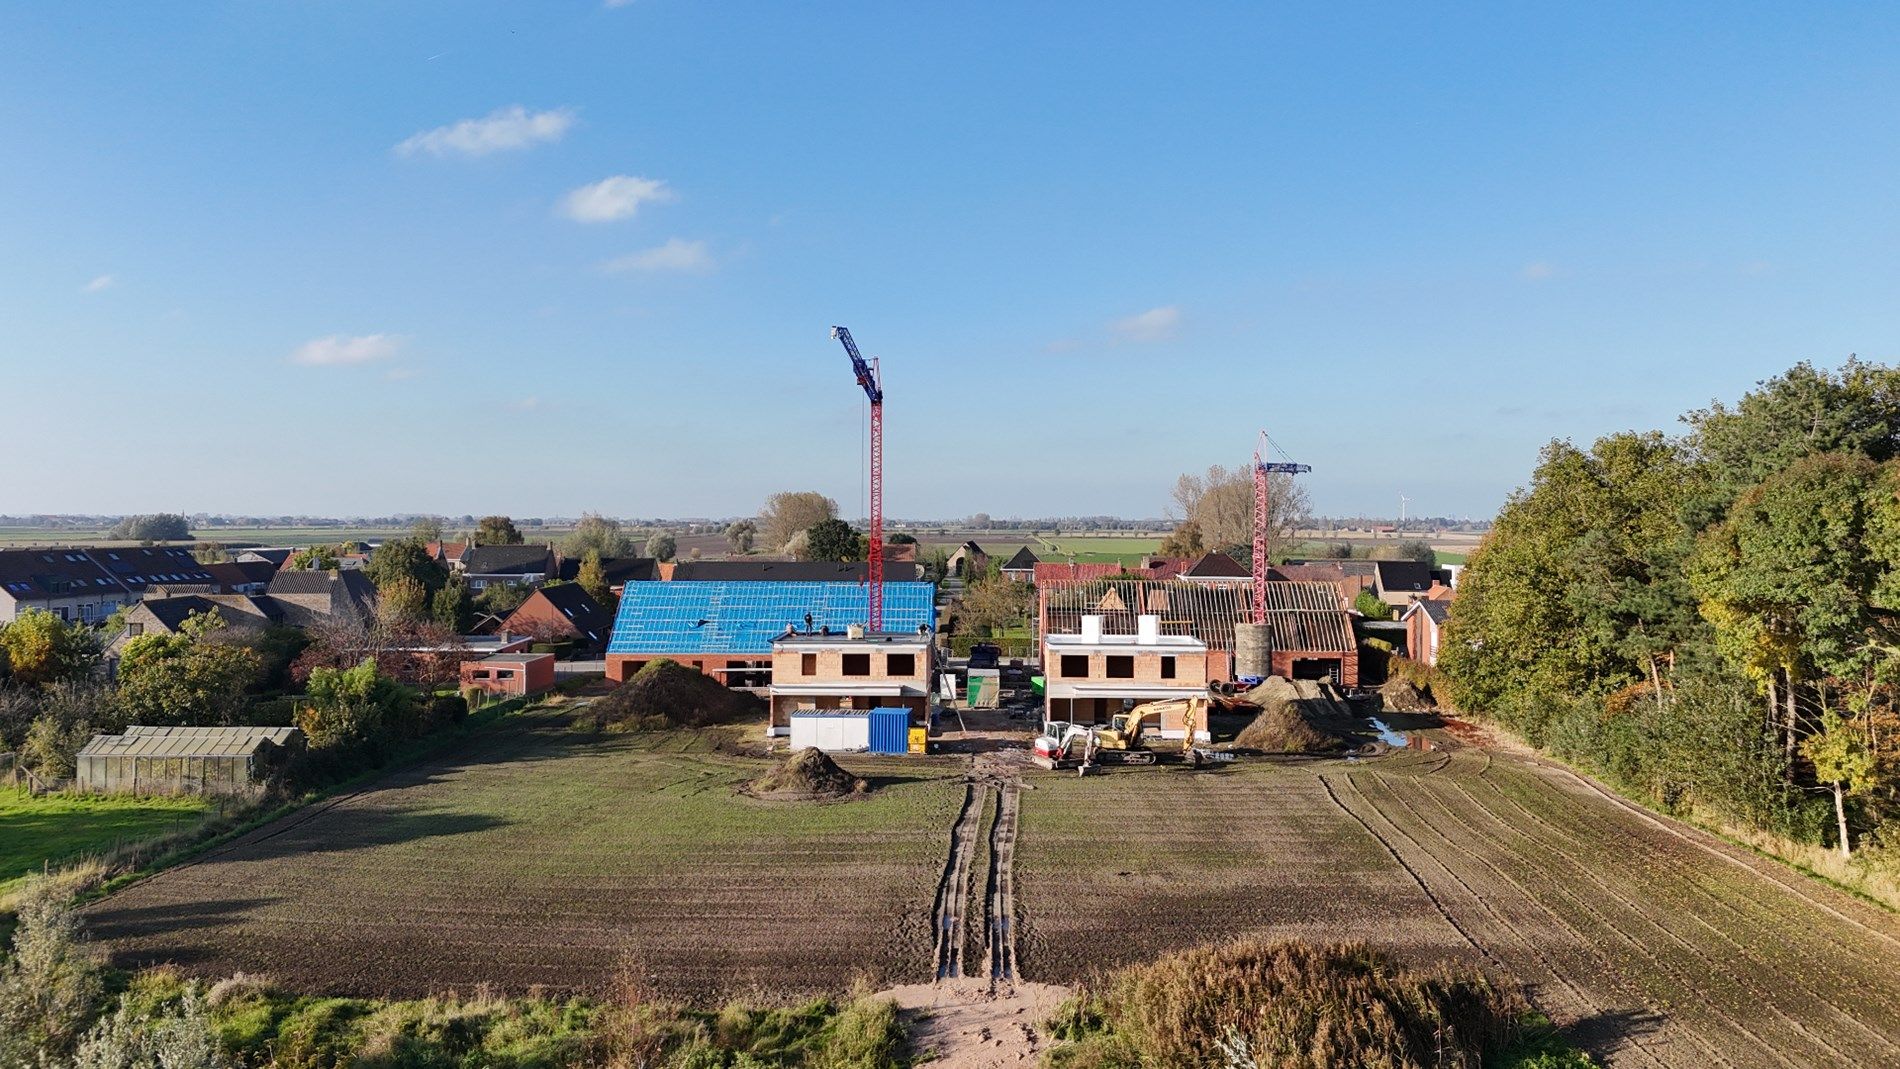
<point>744,617</point>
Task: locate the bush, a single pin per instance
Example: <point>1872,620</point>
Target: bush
<point>1294,1004</point>
<point>50,987</point>
<point>174,1038</point>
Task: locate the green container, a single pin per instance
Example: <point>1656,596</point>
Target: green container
<point>1037,685</point>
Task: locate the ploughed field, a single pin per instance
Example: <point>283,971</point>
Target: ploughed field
<point>538,856</point>
<point>1649,943</point>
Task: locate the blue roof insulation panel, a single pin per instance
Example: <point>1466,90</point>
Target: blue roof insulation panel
<point>744,617</point>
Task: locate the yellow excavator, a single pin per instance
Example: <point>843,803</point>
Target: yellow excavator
<point>1125,737</point>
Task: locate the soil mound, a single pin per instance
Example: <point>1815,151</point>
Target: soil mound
<point>1284,727</point>
<point>809,773</point>
<point>667,694</point>
<point>1403,696</point>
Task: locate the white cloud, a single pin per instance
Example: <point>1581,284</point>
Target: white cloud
<point>499,131</point>
<point>676,255</point>
<point>1156,324</point>
<point>338,349</point>
<point>613,198</point>
<point>101,283</point>
<point>1539,271</point>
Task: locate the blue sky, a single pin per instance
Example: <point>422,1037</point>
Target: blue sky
<point>252,263</point>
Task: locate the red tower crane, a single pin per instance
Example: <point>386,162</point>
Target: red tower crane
<point>874,389</point>
<point>1261,468</point>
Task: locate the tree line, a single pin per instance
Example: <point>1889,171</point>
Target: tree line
<point>1711,619</point>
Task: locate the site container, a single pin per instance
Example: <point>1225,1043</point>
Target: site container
<point>834,731</point>
<point>890,730</point>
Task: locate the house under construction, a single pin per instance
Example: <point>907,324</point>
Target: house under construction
<point>1307,631</point>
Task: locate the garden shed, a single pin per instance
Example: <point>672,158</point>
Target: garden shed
<point>184,760</point>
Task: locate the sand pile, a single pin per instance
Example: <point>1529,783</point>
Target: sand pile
<point>667,694</point>
<point>809,773</point>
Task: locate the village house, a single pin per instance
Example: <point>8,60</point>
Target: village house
<point>241,576</point>
<point>968,559</point>
<point>1217,568</point>
<point>1020,567</point>
<point>562,612</point>
<point>849,670</point>
<point>790,571</point>
<point>65,582</point>
<point>304,598</point>
<point>485,566</point>
<point>166,616</point>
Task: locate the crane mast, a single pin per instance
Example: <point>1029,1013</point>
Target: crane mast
<point>1261,468</point>
<point>873,387</point>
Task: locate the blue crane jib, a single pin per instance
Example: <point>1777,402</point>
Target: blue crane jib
<point>872,388</point>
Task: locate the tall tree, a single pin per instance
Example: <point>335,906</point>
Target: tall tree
<point>598,534</point>
<point>1805,411</point>
<point>833,540</point>
<point>426,529</point>
<point>787,514</point>
<point>1577,589</point>
<point>1220,502</point>
<point>661,546</point>
<point>497,531</point>
<point>592,577</point>
<point>1184,542</point>
<point>1789,583</point>
<point>196,676</point>
<point>405,561</point>
<point>37,648</point>
<point>452,606</point>
<point>739,535</point>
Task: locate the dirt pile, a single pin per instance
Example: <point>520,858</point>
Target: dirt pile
<point>1285,728</point>
<point>1286,723</point>
<point>1404,696</point>
<point>809,773</point>
<point>667,694</point>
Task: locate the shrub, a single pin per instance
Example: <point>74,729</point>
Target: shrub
<point>180,1037</point>
<point>1294,1004</point>
<point>50,987</point>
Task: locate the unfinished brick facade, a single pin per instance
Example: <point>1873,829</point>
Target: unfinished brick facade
<point>843,672</point>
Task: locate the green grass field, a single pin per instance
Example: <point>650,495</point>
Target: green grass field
<point>56,828</point>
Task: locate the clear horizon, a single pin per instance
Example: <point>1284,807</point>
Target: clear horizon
<point>348,259</point>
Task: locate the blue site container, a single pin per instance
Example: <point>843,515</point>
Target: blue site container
<point>890,730</point>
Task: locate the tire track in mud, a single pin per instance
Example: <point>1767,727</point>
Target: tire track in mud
<point>1636,926</point>
<point>1738,933</point>
<point>1606,820</point>
<point>1583,1005</point>
<point>1000,902</point>
<point>994,803</point>
<point>953,889</point>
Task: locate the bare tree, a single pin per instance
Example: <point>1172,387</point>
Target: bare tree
<point>1221,504</point>
<point>787,514</point>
